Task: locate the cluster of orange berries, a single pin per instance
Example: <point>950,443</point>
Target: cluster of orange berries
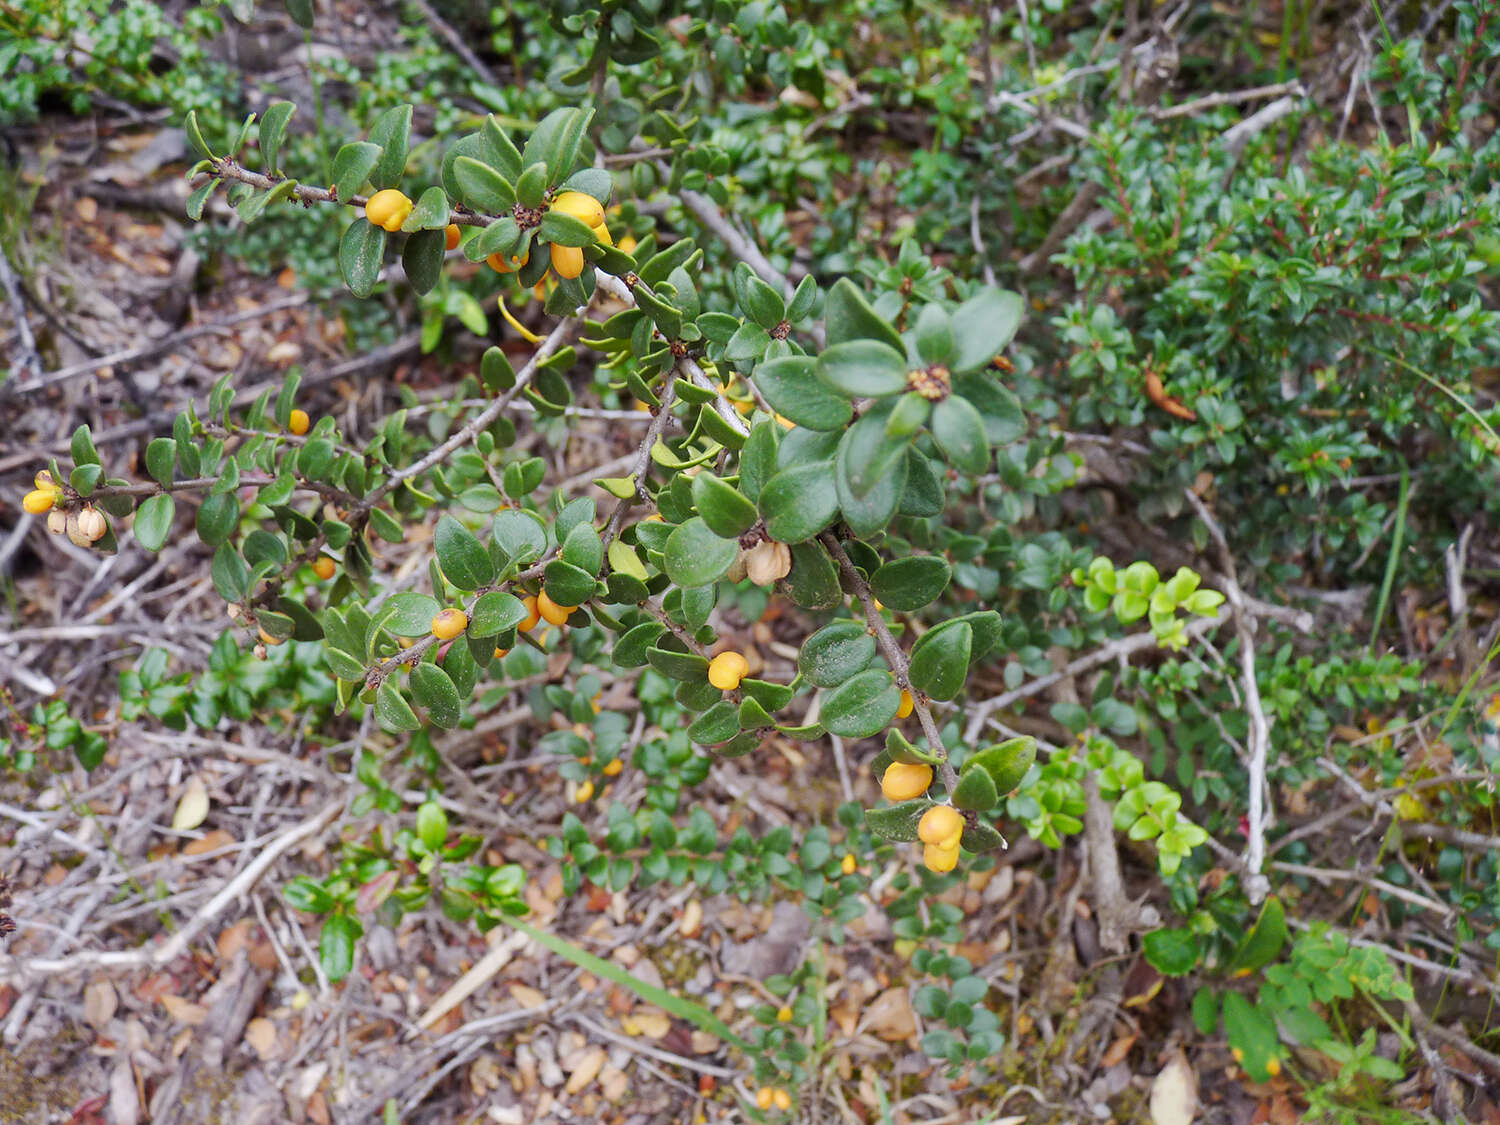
<point>84,527</point>
<point>940,830</point>
<point>773,1097</point>
<point>390,208</point>
<point>449,623</point>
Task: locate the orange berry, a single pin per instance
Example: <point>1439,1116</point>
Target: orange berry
<point>907,703</point>
<point>583,207</point>
<point>848,866</point>
<point>43,480</point>
<point>533,613</point>
<point>567,261</point>
<point>324,567</point>
<point>499,652</point>
<point>627,244</point>
<point>784,1014</point>
<point>614,768</point>
<point>501,264</point>
<point>585,792</point>
<point>388,209</point>
<point>449,624</point>
<point>40,501</point>
<point>940,824</point>
<point>939,860</point>
<point>1273,1067</point>
<point>782,1100</point>
<point>268,639</point>
<point>902,782</point>
<point>298,422</point>
<point>765,1097</point>
<point>601,232</point>
<point>726,670</point>
<point>451,236</point>
<point>551,612</point>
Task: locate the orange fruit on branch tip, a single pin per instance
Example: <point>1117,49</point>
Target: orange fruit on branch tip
<point>907,703</point>
<point>298,422</point>
<point>903,781</point>
<point>324,567</point>
<point>583,207</point>
<point>501,264</point>
<point>43,480</point>
<point>551,612</point>
<point>940,824</point>
<point>567,261</point>
<point>726,670</point>
<point>40,501</point>
<point>765,1097</point>
<point>533,613</point>
<point>451,236</point>
<point>388,209</point>
<point>449,624</point>
<point>939,860</point>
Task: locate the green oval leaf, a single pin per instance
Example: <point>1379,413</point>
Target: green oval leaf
<point>940,660</point>
<point>495,612</point>
<point>463,558</point>
<point>434,690</point>
<point>422,259</point>
<point>153,521</point>
<point>722,507</point>
<point>862,706</point>
<point>799,502</point>
<point>361,251</point>
<point>336,945</point>
<point>217,517</point>
<point>392,711</point>
<point>566,584</point>
<point>272,131</point>
<point>848,316</point>
<point>912,583</point>
<point>863,369</point>
<point>983,325</point>
<point>898,823</point>
<point>959,431</point>
<point>791,385</point>
<point>352,167</point>
<point>976,791</point>
<point>1007,762</point>
<point>696,556</point>
<point>836,653</point>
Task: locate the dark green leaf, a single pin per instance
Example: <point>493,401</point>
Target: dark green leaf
<point>567,584</point>
<point>481,187</point>
<point>153,522</point>
<point>791,386</point>
<point>463,558</point>
<point>1007,762</point>
<point>392,711</point>
<point>898,824</point>
<point>392,132</point>
<point>863,369</point>
<point>336,943</point>
<point>934,333</point>
<point>959,431</point>
<point>1172,952</point>
<point>940,660</point>
<point>835,653</point>
<point>696,556</point>
<point>911,583</point>
<point>848,316</point>
<point>799,502</point>
<point>422,258</point>
<point>352,167</point>
<point>272,131</point>
<point>723,507</point>
<point>983,325</point>
<point>217,517</point>
<point>434,690</point>
<point>361,250</point>
<point>862,705</point>
<point>976,791</point>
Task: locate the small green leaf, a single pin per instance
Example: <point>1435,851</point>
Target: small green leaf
<point>848,316</point>
<point>408,614</point>
<point>791,385</point>
<point>83,449</point>
<point>975,791</point>
<point>352,167</point>
<point>898,824</point>
<point>434,690</point>
<point>272,131</point>
<point>862,705</point>
<point>940,660</point>
<point>566,230</point>
<point>361,251</point>
<point>911,583</point>
<point>432,825</point>
<point>836,653</point>
<point>430,212</point>
<point>392,711</point>
<point>719,723</point>
<point>934,333</point>
<point>531,186</point>
<point>1172,952</point>
<point>195,136</point>
<point>723,507</point>
<point>696,556</point>
<point>799,502</point>
<point>765,306</point>
<point>422,259</point>
<point>863,369</point>
<point>153,522</point>
<point>982,327</point>
<point>392,132</point>
<point>1251,1030</point>
<point>567,584</point>
<point>495,612</point>
<point>584,549</point>
<point>1263,943</point>
<point>463,558</point>
<point>959,431</point>
<point>217,517</point>
<point>1007,762</point>
<point>813,581</point>
<point>336,944</point>
<point>481,187</point>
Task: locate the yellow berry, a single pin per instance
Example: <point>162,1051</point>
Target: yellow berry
<point>551,612</point>
<point>782,1099</point>
<point>298,422</point>
<point>765,1097</point>
<point>585,792</point>
<point>907,703</point>
<point>499,652</point>
<point>43,480</point>
<point>92,525</point>
<point>784,1014</point>
<point>902,782</point>
<point>726,670</point>
<point>567,261</point>
<point>324,567</point>
<point>39,501</point>
<point>627,244</point>
<point>601,232</point>
<point>585,208</point>
<point>1238,1053</point>
<point>533,614</point>
<point>388,209</point>
<point>501,264</point>
<point>451,236</point>
<point>614,768</point>
<point>848,865</point>
<point>939,860</point>
<point>940,824</point>
<point>449,624</point>
<point>1273,1067</point>
<point>268,639</point>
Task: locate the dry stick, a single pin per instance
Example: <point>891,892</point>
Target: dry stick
<point>165,343</point>
<point>892,653</point>
<point>31,360</point>
<point>174,946</point>
<point>1232,97</point>
<point>460,48</point>
<point>1115,650</point>
<point>1257,886</point>
<point>642,463</point>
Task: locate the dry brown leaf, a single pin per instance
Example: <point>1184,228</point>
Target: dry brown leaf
<point>890,1015</point>
<point>100,1002</point>
<point>651,1023</point>
<point>192,806</point>
<point>703,1043</point>
<point>212,842</point>
<point>260,1033</point>
<point>614,1083</point>
<point>1117,1051</point>
<point>285,352</point>
<point>233,938</point>
<point>1157,393</point>
<point>526,996</point>
<point>1174,1093</point>
<point>184,1011</point>
<point>692,919</point>
<point>585,1069</point>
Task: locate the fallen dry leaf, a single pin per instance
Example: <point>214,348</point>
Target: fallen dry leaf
<point>192,806</point>
<point>184,1011</point>
<point>260,1033</point>
<point>585,1069</point>
<point>692,919</point>
<point>100,1001</point>
<point>212,842</point>
<point>652,1023</point>
<point>1117,1051</point>
<point>890,1015</point>
<point>526,996</point>
<point>1174,1093</point>
<point>1157,393</point>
